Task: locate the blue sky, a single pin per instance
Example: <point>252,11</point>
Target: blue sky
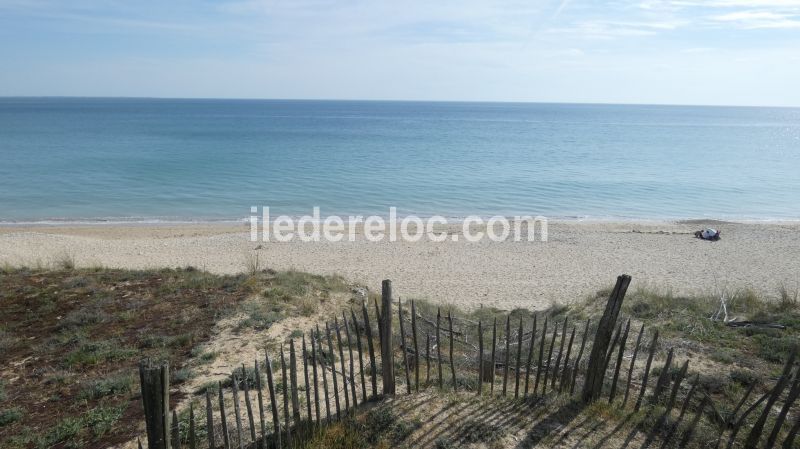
<point>739,52</point>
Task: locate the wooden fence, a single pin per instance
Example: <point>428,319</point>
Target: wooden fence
<point>531,357</point>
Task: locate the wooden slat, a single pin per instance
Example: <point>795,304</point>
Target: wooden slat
<point>415,345</point>
<point>439,347</point>
<point>507,354</point>
<point>295,395</point>
<point>403,347</point>
<point>563,382</point>
<point>315,377</point>
<point>794,391</point>
<point>548,366</point>
<point>427,358</point>
<point>385,330</point>
<point>333,373</point>
<point>579,357</point>
<point>452,359</point>
<point>226,438</point>
<point>249,406</point>
<point>755,433</point>
<point>541,357</point>
<point>276,422</point>
<point>324,377</point>
<point>529,363</point>
<point>674,428</point>
<point>352,360</point>
<point>192,428</point>
<point>560,353</point>
<point>740,422</point>
<point>618,365</point>
<point>494,358</point>
<point>287,423</point>
<point>212,442</point>
<point>373,371</point>
<point>306,381</point>
<point>632,365</point>
<point>342,364</point>
<point>663,378</point>
<point>650,354</point>
<point>687,436</point>
<point>176,434</point>
<point>480,358</point>
<point>360,356</point>
<point>260,396</point>
<point>519,359</point>
<point>236,411</point>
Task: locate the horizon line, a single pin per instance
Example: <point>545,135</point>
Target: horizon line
<point>124,97</point>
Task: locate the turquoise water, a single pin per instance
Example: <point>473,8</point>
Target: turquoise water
<point>148,159</point>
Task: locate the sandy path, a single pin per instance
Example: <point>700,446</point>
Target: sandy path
<point>577,259</point>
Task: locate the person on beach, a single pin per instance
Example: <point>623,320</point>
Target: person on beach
<point>708,234</point>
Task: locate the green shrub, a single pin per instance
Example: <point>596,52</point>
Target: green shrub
<point>115,385</point>
<point>9,416</point>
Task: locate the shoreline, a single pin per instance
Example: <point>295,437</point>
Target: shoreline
<point>578,259</point>
<point>158,222</point>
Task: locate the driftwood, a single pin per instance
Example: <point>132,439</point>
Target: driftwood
<point>754,324</point>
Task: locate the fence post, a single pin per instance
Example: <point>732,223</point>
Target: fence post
<point>597,358</point>
<point>154,380</point>
<point>387,360</point>
<point>480,358</point>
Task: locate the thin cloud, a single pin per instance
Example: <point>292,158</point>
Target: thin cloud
<point>759,20</point>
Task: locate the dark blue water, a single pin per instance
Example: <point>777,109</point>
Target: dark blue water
<point>147,159</point>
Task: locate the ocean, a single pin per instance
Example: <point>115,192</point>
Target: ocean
<point>151,160</point>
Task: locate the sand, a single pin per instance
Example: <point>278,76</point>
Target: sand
<point>578,259</point>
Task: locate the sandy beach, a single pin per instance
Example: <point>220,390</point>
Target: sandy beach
<point>577,259</point>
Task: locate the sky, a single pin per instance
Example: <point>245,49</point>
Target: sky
<point>721,52</point>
